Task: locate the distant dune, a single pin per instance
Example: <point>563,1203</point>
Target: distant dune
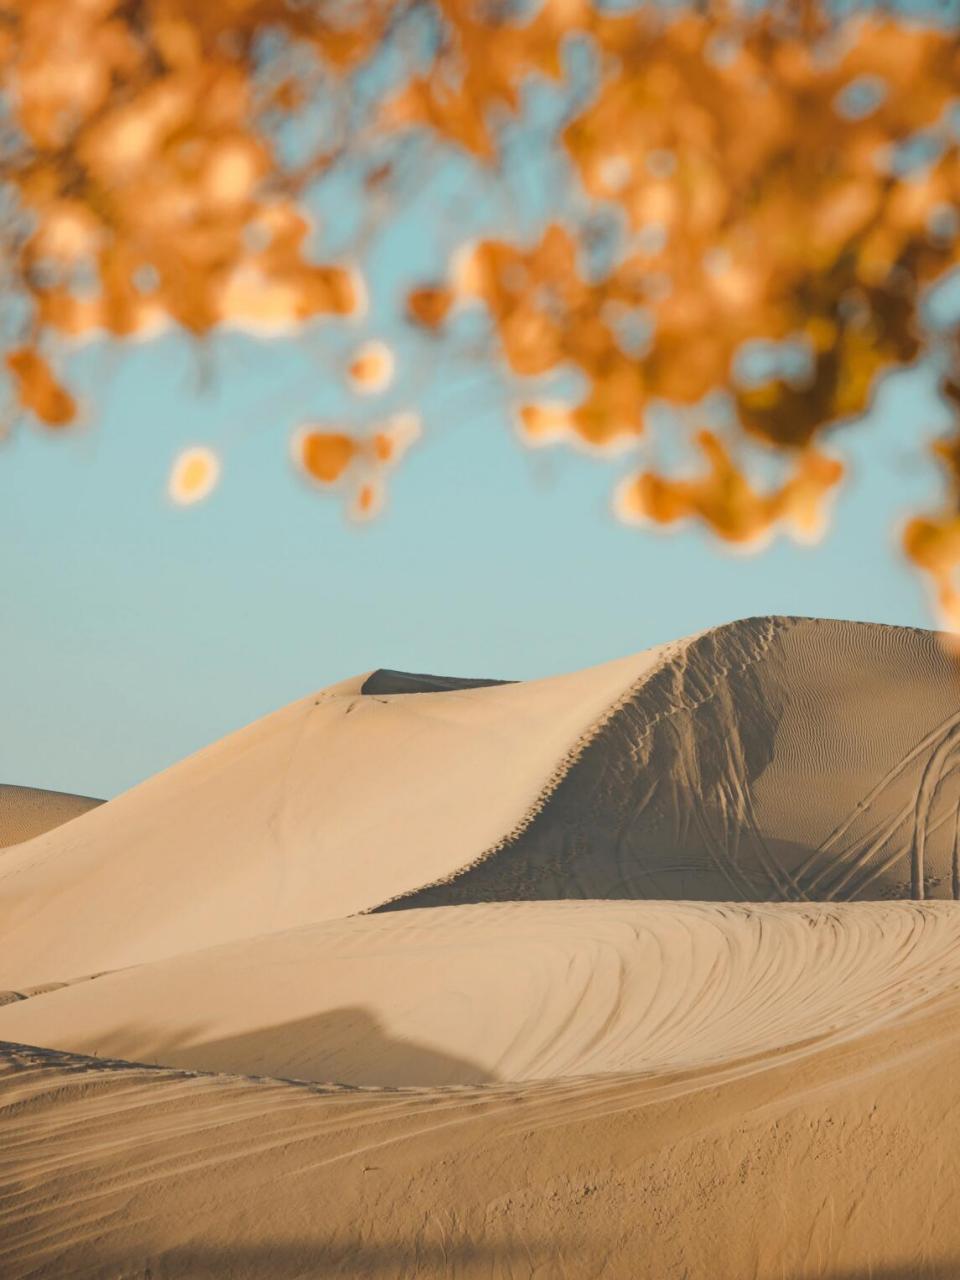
<point>652,970</point>
<point>384,680</point>
<point>26,812</point>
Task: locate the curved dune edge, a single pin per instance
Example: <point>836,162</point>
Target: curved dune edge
<point>26,812</point>
<point>321,810</point>
<point>530,1082</point>
<point>768,759</point>
<point>513,992</point>
<point>771,759</point>
<point>111,1169</point>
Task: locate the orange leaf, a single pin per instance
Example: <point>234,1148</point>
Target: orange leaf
<point>194,475</point>
<point>325,455</point>
<point>429,305</point>
<point>38,389</point>
<point>371,368</point>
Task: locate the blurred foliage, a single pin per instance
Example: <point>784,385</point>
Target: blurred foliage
<point>785,174</point>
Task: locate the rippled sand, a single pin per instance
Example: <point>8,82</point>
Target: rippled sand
<point>650,970</point>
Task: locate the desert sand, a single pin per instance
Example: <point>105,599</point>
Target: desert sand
<point>26,812</point>
<point>649,970</point>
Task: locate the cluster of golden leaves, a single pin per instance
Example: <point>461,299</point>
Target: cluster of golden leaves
<point>751,154</point>
<point>753,158</point>
<point>357,463</point>
<point>933,542</point>
<point>148,186</point>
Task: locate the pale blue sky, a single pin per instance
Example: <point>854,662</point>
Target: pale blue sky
<point>133,632</point>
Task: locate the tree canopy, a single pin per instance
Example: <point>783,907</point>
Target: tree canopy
<point>775,181</point>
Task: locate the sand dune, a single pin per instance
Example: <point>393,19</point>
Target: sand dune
<point>325,808</point>
<point>26,812</point>
<point>685,772</point>
<point>386,680</point>
<point>772,759</point>
<point>527,991</point>
<point>841,1164</point>
<point>567,971</point>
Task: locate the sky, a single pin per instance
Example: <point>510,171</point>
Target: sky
<point>134,632</point>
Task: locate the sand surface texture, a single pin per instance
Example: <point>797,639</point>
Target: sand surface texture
<point>650,970</point>
<point>26,812</point>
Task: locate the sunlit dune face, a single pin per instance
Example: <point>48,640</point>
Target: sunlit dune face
<point>371,369</point>
<point>194,475</point>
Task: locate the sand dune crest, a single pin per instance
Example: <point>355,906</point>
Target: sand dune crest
<point>26,812</point>
<point>653,969</point>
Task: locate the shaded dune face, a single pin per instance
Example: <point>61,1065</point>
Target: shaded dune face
<point>774,759</point>
<point>26,812</point>
<point>384,680</point>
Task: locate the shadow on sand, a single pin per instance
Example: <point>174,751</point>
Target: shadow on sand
<point>310,1260</point>
<point>339,1046</point>
<point>348,1045</point>
<point>904,1271</point>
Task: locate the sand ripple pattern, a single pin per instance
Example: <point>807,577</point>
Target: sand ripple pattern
<point>529,991</point>
<point>635,972</point>
<point>26,812</point>
<point>774,759</point>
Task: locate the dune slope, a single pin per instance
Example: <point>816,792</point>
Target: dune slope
<point>323,809</point>
<point>412,1014</point>
<point>770,759</point>
<point>26,812</point>
<point>526,991</point>
<point>841,1164</point>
